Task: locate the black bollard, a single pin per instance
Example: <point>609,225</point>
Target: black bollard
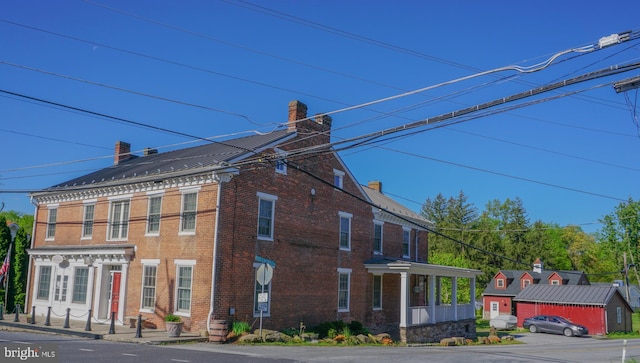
<point>66,319</point>
<point>139,327</point>
<point>17,318</point>
<point>88,326</point>
<point>33,314</point>
<point>112,328</point>
<point>47,321</point>
<point>1,309</point>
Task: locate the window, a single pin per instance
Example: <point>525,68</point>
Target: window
<point>188,214</point>
<point>619,314</point>
<point>377,292</point>
<point>119,219</point>
<point>281,165</point>
<point>555,282</point>
<point>259,305</point>
<point>526,283</point>
<point>61,288</point>
<point>338,178</point>
<point>344,276</point>
<point>406,242</point>
<point>500,283</point>
<point>51,223</point>
<point>345,231</point>
<point>80,285</point>
<point>149,273</point>
<point>184,278</point>
<point>153,214</point>
<point>266,212</point>
<point>87,220</point>
<point>44,283</point>
<point>377,238</point>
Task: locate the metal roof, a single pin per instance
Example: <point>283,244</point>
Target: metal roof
<point>568,294</point>
<point>211,156</point>
<point>389,205</point>
<point>513,280</point>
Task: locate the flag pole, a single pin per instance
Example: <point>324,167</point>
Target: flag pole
<point>6,278</point>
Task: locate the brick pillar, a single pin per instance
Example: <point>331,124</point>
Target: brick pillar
<point>122,152</point>
<point>297,111</point>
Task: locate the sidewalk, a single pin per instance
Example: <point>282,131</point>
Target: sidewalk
<point>97,330</point>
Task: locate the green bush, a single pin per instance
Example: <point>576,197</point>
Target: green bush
<point>239,327</point>
<point>323,328</point>
<point>172,318</point>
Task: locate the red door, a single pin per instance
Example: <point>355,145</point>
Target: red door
<point>115,292</point>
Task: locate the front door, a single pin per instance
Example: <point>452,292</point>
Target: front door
<point>494,309</point>
<point>115,292</point>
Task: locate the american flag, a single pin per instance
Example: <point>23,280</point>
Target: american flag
<point>4,270</point>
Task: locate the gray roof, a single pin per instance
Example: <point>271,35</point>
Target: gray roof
<point>565,294</point>
<point>197,159</point>
<point>387,204</point>
<point>513,280</point>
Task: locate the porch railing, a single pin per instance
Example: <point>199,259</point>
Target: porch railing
<point>420,315</point>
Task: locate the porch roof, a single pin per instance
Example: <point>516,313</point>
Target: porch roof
<point>122,252</point>
<point>388,265</point>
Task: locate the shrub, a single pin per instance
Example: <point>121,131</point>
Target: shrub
<point>323,328</point>
<point>172,318</point>
<point>239,327</point>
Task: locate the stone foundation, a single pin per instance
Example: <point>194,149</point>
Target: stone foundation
<point>433,333</point>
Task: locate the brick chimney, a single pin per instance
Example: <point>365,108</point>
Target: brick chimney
<point>297,111</point>
<point>149,151</point>
<point>122,152</point>
<point>375,185</point>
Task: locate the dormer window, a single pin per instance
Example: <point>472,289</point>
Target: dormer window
<point>500,283</point>
<point>526,283</point>
<point>555,282</point>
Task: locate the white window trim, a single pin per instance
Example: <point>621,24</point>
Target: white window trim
<point>408,230</point>
<point>349,216</point>
<point>178,264</point>
<point>377,308</point>
<point>281,155</point>
<point>184,191</point>
<point>381,224</point>
<point>149,196</point>
<point>273,199</point>
<point>49,208</point>
<point>86,203</point>
<point>340,174</point>
<point>148,262</point>
<point>342,271</point>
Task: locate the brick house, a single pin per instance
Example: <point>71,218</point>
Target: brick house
<point>185,232</point>
<point>497,298</point>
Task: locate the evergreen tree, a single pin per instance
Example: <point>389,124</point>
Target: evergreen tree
<point>19,266</point>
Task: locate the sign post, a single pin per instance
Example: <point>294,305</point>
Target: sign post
<point>263,277</point>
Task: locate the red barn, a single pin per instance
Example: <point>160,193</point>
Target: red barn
<point>602,309</point>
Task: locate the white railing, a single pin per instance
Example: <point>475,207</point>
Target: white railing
<point>420,315</point>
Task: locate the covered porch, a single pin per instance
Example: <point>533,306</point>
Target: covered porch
<point>430,306</point>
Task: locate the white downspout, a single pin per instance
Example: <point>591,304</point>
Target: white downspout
<point>215,253</point>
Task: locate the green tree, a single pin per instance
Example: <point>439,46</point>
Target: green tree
<point>19,266</point>
<point>513,222</point>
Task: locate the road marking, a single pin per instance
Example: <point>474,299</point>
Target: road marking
<point>180,360</point>
<point>21,342</point>
<point>130,354</point>
<point>86,350</point>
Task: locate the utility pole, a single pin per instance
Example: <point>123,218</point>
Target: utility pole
<point>626,275</point>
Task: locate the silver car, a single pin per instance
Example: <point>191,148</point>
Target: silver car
<point>504,322</point>
<point>554,324</point>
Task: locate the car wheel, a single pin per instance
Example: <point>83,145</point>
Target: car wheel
<point>567,332</point>
<point>533,328</point>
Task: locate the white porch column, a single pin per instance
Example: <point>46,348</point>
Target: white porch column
<point>404,298</point>
<point>432,299</point>
<point>454,297</point>
<point>123,292</point>
<point>472,287</point>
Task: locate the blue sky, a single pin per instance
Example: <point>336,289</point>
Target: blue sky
<point>229,68</point>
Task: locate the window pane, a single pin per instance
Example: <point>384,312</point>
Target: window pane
<point>87,226</point>
<point>51,225</point>
<point>343,291</point>
<point>149,287</point>
<point>189,202</point>
<point>153,222</point>
<point>44,282</point>
<point>405,242</point>
<point>119,220</point>
<point>184,288</point>
<point>377,291</point>
<point>265,218</point>
<point>80,285</point>
<point>344,232</point>
<point>377,237</point>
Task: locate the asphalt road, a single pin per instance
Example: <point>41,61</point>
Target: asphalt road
<point>534,348</point>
